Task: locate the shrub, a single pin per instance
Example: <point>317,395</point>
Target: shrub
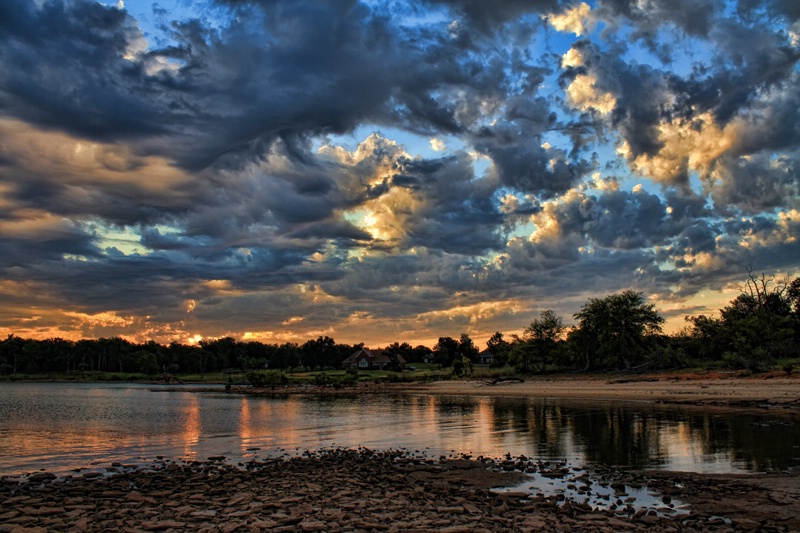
<point>268,378</point>
<point>322,379</point>
<point>734,361</point>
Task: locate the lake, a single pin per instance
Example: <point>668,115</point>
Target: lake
<point>60,427</point>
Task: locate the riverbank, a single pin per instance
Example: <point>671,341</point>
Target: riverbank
<point>769,390</point>
<point>773,390</point>
<point>365,491</point>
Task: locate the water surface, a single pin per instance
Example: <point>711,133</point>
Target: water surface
<point>60,427</point>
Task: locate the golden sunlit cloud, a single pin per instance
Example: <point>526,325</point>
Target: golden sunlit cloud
<point>572,58</point>
<point>438,145</point>
<point>474,313</point>
<point>219,284</point>
<point>603,184</point>
<point>583,93</point>
<point>574,20</point>
<point>104,319</point>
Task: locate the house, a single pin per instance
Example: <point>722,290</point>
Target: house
<point>485,358</point>
<point>366,359</point>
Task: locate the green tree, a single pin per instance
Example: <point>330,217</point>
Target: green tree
<point>707,340</point>
<point>541,339</point>
<point>467,349</point>
<point>500,350</point>
<point>145,362</point>
<point>445,351</point>
<point>619,328</point>
<point>760,323</point>
<point>287,356</point>
<point>395,351</point>
<point>319,353</point>
<point>227,351</point>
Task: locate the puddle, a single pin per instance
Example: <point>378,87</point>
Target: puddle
<point>585,488</point>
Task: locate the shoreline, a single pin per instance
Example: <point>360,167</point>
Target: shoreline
<point>774,392</point>
<point>708,389</point>
<point>769,390</point>
<point>371,491</point>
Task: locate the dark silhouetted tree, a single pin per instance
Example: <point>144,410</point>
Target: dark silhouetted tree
<point>616,330</point>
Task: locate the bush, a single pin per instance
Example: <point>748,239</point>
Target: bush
<point>268,378</point>
<point>734,361</point>
<point>322,379</point>
<point>399,378</point>
<point>669,357</point>
<point>462,366</point>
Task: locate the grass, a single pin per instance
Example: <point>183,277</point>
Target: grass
<point>422,372</point>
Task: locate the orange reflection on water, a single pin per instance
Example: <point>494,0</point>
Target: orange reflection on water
<point>244,421</point>
<point>193,427</point>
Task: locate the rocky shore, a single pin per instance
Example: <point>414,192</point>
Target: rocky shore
<point>367,491</point>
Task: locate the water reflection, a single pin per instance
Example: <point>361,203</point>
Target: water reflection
<point>63,426</point>
<point>646,435</point>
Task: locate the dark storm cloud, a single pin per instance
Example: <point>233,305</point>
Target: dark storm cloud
<point>786,8</point>
<point>338,229</point>
<point>62,67</point>
<point>49,244</point>
<point>458,214</point>
<point>695,17</point>
<point>759,183</point>
<point>754,62</point>
<point>486,16</point>
<point>65,68</point>
<point>620,220</point>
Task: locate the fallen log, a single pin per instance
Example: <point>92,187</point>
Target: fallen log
<point>503,379</point>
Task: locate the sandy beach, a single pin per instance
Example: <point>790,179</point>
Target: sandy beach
<point>775,390</point>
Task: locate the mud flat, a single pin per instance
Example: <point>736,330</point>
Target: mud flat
<point>367,491</point>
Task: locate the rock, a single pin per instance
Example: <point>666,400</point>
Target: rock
<point>746,524</point>
<point>313,525</point>
<point>450,510</point>
<point>162,525</point>
<point>534,522</point>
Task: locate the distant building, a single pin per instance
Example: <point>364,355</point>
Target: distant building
<point>485,358</point>
<point>366,359</point>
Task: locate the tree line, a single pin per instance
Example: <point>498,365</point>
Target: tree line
<point>618,332</point>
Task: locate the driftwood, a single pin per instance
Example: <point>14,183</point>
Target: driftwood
<point>503,379</point>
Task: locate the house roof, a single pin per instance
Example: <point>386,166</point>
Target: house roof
<point>374,356</point>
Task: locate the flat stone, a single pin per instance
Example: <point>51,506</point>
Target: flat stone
<point>746,524</point>
<point>43,511</point>
<point>313,525</point>
<point>450,510</point>
<point>162,524</point>
<point>208,513</point>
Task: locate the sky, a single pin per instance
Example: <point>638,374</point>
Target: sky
<point>382,171</point>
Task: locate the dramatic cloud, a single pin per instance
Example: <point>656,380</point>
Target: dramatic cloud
<point>379,172</point>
